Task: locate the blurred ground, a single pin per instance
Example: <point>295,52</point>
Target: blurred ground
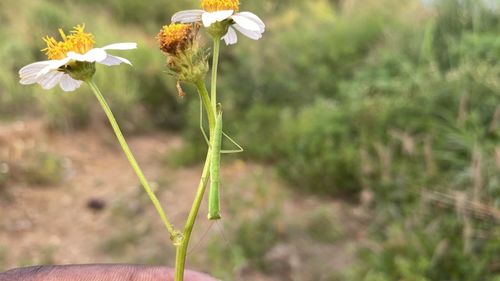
<point>55,224</point>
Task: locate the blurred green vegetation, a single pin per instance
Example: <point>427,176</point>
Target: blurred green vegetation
<point>395,98</point>
<point>323,227</point>
<point>43,168</point>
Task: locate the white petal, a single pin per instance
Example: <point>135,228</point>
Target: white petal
<point>255,35</point>
<point>27,80</point>
<point>33,68</point>
<point>246,23</point>
<point>114,60</point>
<point>52,65</point>
<point>28,73</point>
<point>209,18</point>
<point>120,46</point>
<point>187,16</point>
<point>255,18</point>
<point>50,80</point>
<point>69,84</point>
<point>230,37</point>
<point>96,54</point>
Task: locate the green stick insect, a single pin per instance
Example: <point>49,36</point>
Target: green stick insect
<point>216,145</point>
<point>239,148</point>
<point>214,195</point>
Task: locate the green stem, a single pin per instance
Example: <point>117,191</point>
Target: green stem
<point>202,90</point>
<point>130,157</point>
<point>215,65</point>
<point>181,251</point>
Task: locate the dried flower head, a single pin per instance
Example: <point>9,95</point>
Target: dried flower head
<point>176,37</point>
<point>186,60</point>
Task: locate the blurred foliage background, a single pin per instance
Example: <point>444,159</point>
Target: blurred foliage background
<point>394,100</point>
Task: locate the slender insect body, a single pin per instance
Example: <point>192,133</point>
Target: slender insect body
<point>213,196</point>
<point>222,151</point>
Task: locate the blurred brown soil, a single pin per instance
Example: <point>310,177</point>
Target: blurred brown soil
<point>53,224</point>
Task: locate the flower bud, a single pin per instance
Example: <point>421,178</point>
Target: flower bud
<point>186,59</point>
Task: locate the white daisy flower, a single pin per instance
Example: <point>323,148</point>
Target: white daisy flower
<point>68,57</point>
<point>215,11</point>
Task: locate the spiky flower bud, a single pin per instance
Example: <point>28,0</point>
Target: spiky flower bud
<point>186,59</point>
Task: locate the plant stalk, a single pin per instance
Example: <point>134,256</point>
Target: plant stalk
<point>215,65</point>
<point>181,251</point>
<point>202,90</point>
<point>130,157</point>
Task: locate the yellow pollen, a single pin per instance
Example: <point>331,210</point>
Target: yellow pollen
<point>174,36</point>
<point>220,5</point>
<point>77,41</point>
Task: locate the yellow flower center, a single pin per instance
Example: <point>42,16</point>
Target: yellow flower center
<point>174,37</point>
<point>220,5</point>
<point>77,41</point>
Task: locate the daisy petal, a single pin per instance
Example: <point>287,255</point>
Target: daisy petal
<point>254,18</point>
<point>50,80</point>
<point>246,23</point>
<point>52,65</point>
<point>42,80</point>
<point>230,37</point>
<point>27,80</point>
<point>96,54</point>
<point>187,16</point>
<point>208,18</point>
<point>114,60</point>
<point>120,46</point>
<point>28,73</point>
<point>33,68</point>
<point>69,84</point>
<point>255,35</point>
